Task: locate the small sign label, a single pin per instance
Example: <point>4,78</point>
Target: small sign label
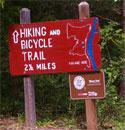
<point>87,85</point>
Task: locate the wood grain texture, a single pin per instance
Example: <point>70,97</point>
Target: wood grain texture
<point>91,113</point>
<point>30,112</point>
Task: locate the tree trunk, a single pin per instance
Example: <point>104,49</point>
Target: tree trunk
<point>122,85</point>
<point>123,16</point>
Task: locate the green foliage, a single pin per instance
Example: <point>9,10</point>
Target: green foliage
<point>112,41</point>
<point>21,116</point>
<point>112,47</point>
<point>2,3</point>
<point>52,90</point>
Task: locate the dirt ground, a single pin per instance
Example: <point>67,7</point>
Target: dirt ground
<point>13,124</point>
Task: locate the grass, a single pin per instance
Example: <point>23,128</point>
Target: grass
<point>62,122</point>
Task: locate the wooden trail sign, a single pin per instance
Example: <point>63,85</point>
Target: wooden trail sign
<point>54,47</point>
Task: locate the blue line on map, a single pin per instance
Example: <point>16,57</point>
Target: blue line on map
<point>89,45</point>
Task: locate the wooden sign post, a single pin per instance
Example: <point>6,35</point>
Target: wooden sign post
<point>30,113</point>
<point>91,114</point>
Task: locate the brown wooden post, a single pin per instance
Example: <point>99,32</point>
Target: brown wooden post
<point>30,113</point>
<point>91,114</point>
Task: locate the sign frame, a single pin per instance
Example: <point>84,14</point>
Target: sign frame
<point>72,76</point>
<point>81,55</point>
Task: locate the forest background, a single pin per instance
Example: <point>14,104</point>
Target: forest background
<point>52,90</point>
